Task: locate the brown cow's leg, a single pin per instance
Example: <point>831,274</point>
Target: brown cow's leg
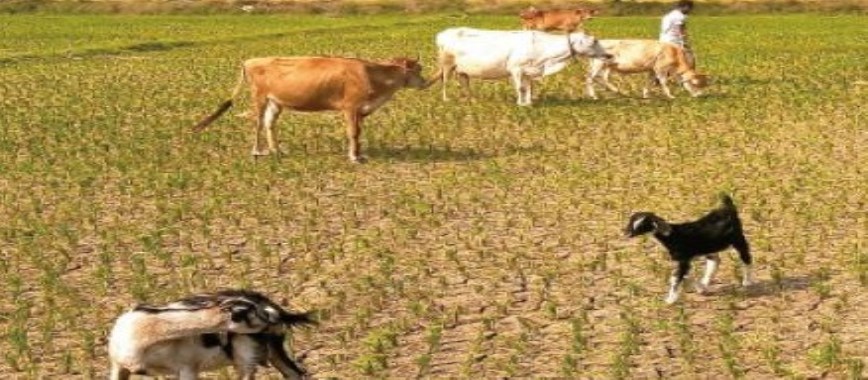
<point>652,81</point>
<point>661,78</point>
<point>269,117</point>
<point>259,105</point>
<point>354,129</point>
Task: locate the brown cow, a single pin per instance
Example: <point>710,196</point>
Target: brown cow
<point>353,86</point>
<point>661,60</point>
<point>567,20</point>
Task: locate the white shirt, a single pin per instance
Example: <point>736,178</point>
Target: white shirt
<point>670,28</point>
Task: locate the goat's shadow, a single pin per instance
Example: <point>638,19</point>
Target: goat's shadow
<point>766,288</point>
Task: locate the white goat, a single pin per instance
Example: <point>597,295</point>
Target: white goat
<point>202,333</point>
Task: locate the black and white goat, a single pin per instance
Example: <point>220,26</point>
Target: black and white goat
<point>204,332</point>
<point>714,232</point>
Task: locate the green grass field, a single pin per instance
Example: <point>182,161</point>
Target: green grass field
<point>481,240</point>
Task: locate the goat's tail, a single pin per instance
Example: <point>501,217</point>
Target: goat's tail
<point>727,201</point>
<point>223,106</point>
<point>300,319</point>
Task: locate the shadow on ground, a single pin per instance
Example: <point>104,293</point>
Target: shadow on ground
<point>424,154</point>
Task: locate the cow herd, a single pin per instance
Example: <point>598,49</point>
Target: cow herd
<point>357,87</point>
<point>245,329</point>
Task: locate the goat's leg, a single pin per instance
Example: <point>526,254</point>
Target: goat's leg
<point>247,373</point>
<point>119,373</point>
<point>712,262</point>
<point>280,359</point>
<point>269,117</point>
<point>743,249</point>
<point>676,280</point>
<point>188,373</point>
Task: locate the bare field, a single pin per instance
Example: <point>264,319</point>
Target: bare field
<point>481,240</point>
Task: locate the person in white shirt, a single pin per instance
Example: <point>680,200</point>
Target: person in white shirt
<point>673,29</point>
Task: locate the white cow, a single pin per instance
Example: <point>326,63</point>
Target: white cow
<point>521,55</point>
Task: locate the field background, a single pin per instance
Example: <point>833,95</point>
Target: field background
<point>481,240</point>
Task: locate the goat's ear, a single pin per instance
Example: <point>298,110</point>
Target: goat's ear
<point>661,227</point>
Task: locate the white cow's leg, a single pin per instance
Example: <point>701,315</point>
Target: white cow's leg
<point>589,81</point>
<point>522,84</point>
<point>272,111</point>
<point>464,83</point>
<point>712,262</point>
<point>530,83</point>
<point>528,90</point>
<point>518,82</point>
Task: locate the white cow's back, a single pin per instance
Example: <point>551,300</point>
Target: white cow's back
<point>484,54</point>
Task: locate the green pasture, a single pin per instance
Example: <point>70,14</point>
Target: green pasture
<point>481,240</point>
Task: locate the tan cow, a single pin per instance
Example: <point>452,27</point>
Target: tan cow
<point>660,59</point>
<point>567,20</point>
<point>352,86</point>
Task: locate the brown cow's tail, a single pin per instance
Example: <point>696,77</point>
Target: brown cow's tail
<point>223,106</point>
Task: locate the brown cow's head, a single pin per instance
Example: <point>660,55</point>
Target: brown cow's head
<point>530,13</point>
<point>696,82</point>
<point>699,80</point>
<point>412,71</point>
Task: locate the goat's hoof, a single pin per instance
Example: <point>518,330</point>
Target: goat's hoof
<point>746,283</point>
<point>670,300</point>
<point>259,152</point>
<point>358,159</point>
<point>701,289</point>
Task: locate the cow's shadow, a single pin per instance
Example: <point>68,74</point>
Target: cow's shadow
<point>556,101</point>
<point>424,154</point>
